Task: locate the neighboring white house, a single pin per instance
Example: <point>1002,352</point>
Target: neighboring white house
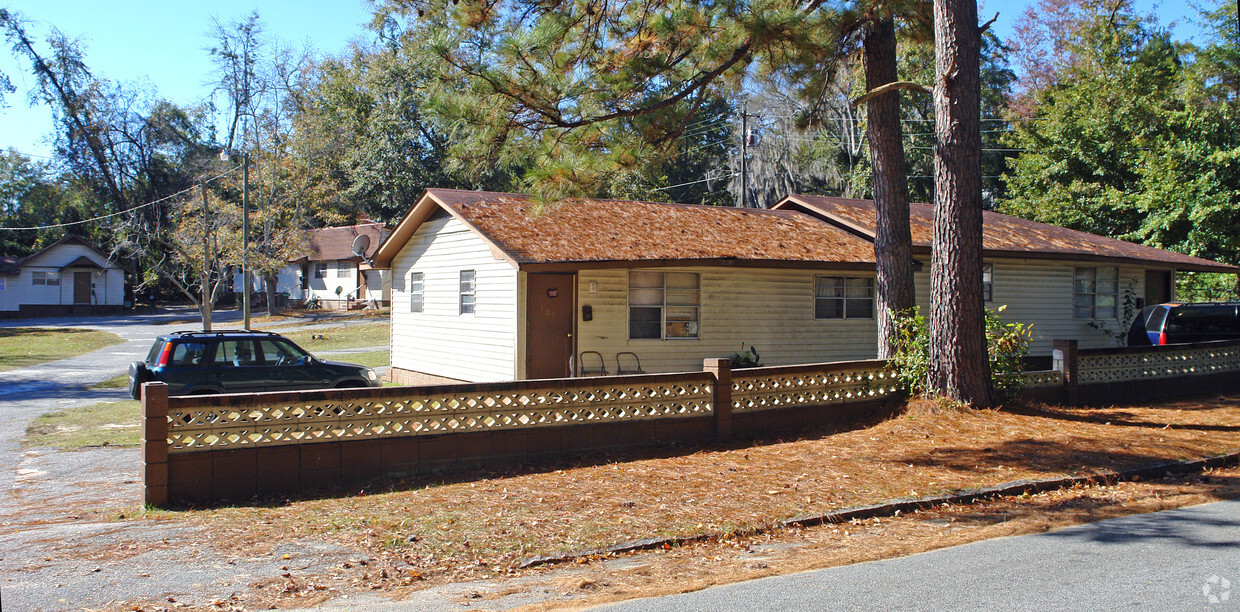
<point>490,286</point>
<point>68,277</point>
<point>332,272</point>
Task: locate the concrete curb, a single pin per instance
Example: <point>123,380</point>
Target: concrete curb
<point>896,506</point>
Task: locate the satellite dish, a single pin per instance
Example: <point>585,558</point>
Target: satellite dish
<point>360,244</point>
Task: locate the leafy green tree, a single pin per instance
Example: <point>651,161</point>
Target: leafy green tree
<point>1082,148</point>
<point>364,132</point>
<point>1129,141</point>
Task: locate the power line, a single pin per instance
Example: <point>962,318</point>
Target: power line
<point>115,214</point>
<point>713,178</point>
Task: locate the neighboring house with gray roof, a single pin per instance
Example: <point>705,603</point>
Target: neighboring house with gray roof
<point>68,277</point>
<point>492,286</point>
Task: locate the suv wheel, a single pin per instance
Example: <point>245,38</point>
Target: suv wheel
<point>140,375</point>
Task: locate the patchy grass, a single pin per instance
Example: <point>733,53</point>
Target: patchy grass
<point>373,359</point>
<point>343,337</point>
<point>116,382</point>
<point>22,347</point>
<point>106,424</point>
<point>294,317</point>
<point>482,525</point>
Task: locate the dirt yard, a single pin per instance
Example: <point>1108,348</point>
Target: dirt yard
<point>479,528</point>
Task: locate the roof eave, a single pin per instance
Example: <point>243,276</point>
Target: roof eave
<point>612,264</point>
<point>793,201</point>
<point>425,207</point>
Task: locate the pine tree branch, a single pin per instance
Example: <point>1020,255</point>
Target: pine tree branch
<point>882,89</point>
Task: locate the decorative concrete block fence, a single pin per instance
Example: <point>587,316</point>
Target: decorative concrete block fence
<point>207,449</point>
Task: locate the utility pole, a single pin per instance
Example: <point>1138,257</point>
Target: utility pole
<point>245,237</point>
<point>205,279</point>
<point>745,155</point>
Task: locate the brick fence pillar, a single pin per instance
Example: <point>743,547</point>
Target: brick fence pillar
<point>1064,352</point>
<point>721,404</point>
<point>155,444</point>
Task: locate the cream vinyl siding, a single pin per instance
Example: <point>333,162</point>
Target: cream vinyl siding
<point>478,347</point>
<point>1039,292</point>
<point>771,309</point>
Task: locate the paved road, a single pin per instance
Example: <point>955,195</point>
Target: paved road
<point>1172,560</point>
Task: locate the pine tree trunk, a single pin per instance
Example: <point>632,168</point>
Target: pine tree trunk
<point>958,364</point>
<point>893,242</point>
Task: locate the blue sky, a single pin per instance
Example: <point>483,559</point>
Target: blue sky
<point>162,42</point>
<point>166,43</point>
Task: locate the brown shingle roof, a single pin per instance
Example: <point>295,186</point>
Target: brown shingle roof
<point>335,243</point>
<point>1003,234</point>
<point>596,230</point>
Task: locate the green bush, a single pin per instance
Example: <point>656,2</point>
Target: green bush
<point>912,354</point>
<point>1007,346</point>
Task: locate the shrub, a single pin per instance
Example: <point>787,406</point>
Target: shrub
<point>1007,346</point>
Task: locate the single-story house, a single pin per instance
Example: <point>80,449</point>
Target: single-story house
<point>69,277</point>
<point>329,269</point>
<point>494,286</point>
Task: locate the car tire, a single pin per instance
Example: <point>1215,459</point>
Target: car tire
<point>137,377</point>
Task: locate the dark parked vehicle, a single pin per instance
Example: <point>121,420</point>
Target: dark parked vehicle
<point>232,361</point>
<point>1177,323</point>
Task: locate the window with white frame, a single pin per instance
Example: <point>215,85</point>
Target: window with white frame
<point>988,282</point>
<point>664,305</point>
<point>468,300</point>
<point>843,297</point>
<point>416,295</point>
<point>1095,292</point>
<point>320,270</point>
<point>344,269</point>
<point>40,277</point>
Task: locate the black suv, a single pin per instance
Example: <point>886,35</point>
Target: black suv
<point>1176,323</point>
<point>237,361</point>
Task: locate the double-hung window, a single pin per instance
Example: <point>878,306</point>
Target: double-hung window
<point>40,277</point>
<point>988,282</point>
<point>344,269</point>
<point>468,291</point>
<point>664,305</point>
<point>1095,293</point>
<point>841,297</point>
<point>416,293</point>
<point>320,270</point>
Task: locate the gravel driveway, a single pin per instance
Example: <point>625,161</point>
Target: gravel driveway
<point>64,544</point>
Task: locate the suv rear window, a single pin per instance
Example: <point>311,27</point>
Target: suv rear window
<point>190,353</point>
<point>156,348</point>
<point>1157,316</point>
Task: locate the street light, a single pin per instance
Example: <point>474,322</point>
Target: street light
<point>245,234</point>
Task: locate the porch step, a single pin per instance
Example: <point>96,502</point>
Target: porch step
<point>85,310</point>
